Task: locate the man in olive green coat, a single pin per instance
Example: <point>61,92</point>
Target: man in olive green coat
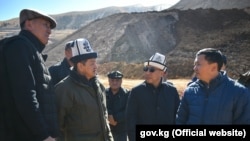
<point>81,99</point>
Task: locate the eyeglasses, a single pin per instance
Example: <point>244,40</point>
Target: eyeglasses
<point>150,69</point>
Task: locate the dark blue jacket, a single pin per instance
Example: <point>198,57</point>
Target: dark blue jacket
<point>116,105</point>
<point>29,100</point>
<point>59,71</point>
<point>150,105</point>
<point>223,101</point>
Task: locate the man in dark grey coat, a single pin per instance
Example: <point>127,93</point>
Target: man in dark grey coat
<point>152,102</point>
<point>29,110</point>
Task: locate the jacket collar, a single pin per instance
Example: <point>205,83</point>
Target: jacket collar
<point>216,81</point>
<point>33,39</point>
<point>65,63</point>
<point>152,87</point>
<point>81,79</point>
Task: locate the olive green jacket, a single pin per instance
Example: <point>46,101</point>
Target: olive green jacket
<point>82,111</point>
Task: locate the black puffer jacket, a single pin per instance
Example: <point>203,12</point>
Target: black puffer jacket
<point>29,108</point>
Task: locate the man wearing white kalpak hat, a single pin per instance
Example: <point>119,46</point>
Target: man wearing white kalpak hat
<point>81,98</point>
<point>152,102</point>
<point>27,96</point>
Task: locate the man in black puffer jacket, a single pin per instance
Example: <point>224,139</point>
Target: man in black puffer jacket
<point>29,110</point>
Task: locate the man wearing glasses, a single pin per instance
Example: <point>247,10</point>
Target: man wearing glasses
<point>153,102</point>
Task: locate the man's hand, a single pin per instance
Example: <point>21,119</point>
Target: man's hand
<point>112,120</point>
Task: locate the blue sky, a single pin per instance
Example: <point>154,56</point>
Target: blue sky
<point>10,8</point>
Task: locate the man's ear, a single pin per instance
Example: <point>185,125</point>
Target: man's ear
<point>28,24</point>
<point>214,67</point>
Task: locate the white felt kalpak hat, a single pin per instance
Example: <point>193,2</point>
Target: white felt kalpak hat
<point>82,50</point>
<point>157,60</point>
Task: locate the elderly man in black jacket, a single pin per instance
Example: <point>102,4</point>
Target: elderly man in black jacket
<point>29,110</point>
<point>117,97</point>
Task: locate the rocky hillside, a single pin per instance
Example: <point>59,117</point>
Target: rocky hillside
<point>215,4</point>
<point>125,40</point>
<point>77,19</point>
<point>121,37</point>
<point>130,39</point>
